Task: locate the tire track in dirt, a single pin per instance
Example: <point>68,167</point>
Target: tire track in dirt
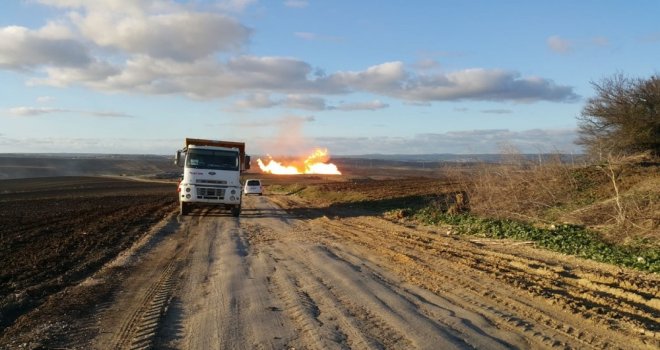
<point>139,329</point>
<point>342,301</point>
<point>327,317</point>
<point>446,284</point>
<point>270,280</point>
<point>470,327</point>
<point>467,292</point>
<point>304,311</point>
<point>148,274</point>
<point>576,288</point>
<point>309,305</point>
<point>411,247</point>
<point>224,295</point>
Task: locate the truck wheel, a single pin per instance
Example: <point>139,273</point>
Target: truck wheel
<point>236,211</point>
<point>184,209</point>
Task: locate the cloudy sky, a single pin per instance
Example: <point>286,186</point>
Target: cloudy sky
<point>357,77</point>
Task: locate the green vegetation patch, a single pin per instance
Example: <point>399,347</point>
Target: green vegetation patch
<point>288,189</point>
<point>567,239</point>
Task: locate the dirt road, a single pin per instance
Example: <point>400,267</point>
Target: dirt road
<point>285,279</point>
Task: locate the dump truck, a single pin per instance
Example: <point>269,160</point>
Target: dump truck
<point>211,174</point>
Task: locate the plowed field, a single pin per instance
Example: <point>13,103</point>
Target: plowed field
<point>121,270</point>
<point>54,232</point>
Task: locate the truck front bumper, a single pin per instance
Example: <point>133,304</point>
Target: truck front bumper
<point>210,195</point>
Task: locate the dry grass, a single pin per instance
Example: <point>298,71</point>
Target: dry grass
<point>619,198</point>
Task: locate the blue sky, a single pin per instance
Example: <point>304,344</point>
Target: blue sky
<point>356,77</point>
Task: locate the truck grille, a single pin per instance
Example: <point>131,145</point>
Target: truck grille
<point>210,193</point>
<point>220,182</point>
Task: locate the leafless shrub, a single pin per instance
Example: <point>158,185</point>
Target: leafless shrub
<point>621,197</point>
<point>519,187</point>
<point>623,117</point>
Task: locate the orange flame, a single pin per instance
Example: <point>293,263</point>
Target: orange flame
<point>316,163</point>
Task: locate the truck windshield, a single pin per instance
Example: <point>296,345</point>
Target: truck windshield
<point>211,159</point>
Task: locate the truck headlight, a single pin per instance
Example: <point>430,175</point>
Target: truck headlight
<point>233,191</point>
<point>188,196</point>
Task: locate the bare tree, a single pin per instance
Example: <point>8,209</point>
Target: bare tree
<point>623,117</point>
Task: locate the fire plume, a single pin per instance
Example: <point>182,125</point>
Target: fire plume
<point>316,163</point>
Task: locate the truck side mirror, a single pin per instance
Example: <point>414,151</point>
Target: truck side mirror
<point>247,162</point>
<point>177,158</point>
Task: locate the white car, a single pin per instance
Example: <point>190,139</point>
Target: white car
<point>253,186</point>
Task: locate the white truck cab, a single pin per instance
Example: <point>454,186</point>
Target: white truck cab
<point>211,174</point>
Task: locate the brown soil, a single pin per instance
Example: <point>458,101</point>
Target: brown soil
<point>293,272</point>
<point>54,232</point>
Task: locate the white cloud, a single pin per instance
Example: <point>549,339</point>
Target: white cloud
<point>115,6</point>
<point>32,111</point>
<point>88,145</point>
<point>235,5</point>
<point>103,114</point>
<point>497,111</point>
<point>45,99</point>
<point>559,45</point>
<point>391,79</point>
<point>35,111</point>
<point>270,72</point>
<point>304,102</point>
<point>294,101</point>
<point>270,123</point>
<point>92,75</point>
<point>179,36</point>
<point>426,64</point>
<point>371,105</point>
<point>255,101</point>
<point>161,29</point>
<point>22,48</point>
<point>469,84</point>
<point>165,47</point>
<point>565,46</point>
<point>457,142</point>
<point>379,78</point>
<point>208,79</point>
<point>204,79</point>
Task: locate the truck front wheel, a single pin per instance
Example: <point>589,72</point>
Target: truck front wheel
<point>236,211</point>
<point>184,208</point>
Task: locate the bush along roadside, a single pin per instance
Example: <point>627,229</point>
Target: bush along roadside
<point>567,239</point>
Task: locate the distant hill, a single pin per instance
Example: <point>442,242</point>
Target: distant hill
<point>14,166</point>
<point>465,158</point>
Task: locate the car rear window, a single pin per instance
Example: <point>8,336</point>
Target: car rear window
<point>253,183</point>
